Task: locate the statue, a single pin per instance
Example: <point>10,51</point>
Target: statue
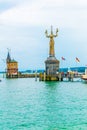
<point>51,43</point>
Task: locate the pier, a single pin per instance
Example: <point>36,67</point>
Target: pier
<point>60,77</point>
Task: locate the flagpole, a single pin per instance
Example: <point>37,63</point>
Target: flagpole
<point>61,64</point>
<point>62,59</point>
<point>77,61</point>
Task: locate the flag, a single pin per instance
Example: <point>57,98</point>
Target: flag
<point>77,59</point>
<point>63,58</point>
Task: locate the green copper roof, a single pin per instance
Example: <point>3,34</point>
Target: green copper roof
<point>13,60</point>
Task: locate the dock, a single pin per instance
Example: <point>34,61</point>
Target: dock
<point>21,75</point>
<point>59,77</point>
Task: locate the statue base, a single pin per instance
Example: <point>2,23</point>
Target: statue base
<point>52,66</point>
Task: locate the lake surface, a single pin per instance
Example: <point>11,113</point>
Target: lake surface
<point>26,104</point>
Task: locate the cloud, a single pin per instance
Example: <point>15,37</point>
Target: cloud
<point>48,12</point>
<point>35,13</point>
<point>76,4</point>
<point>8,4</point>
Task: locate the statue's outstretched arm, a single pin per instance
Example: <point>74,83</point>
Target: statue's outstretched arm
<point>56,33</point>
<point>47,34</point>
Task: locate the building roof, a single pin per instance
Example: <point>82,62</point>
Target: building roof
<point>13,61</point>
<point>8,57</point>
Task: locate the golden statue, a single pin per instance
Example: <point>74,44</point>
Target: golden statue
<point>51,43</point>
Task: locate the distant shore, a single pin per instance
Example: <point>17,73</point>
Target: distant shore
<point>31,71</point>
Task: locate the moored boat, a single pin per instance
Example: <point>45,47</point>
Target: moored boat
<point>84,76</point>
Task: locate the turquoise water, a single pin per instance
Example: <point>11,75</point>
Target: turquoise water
<point>29,105</point>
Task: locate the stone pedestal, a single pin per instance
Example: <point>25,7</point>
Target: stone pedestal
<point>51,66</point>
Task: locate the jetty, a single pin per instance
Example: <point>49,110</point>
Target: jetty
<point>61,76</point>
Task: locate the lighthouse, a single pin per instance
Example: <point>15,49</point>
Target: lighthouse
<point>12,67</point>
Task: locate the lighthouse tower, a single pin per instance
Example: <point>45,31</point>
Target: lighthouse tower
<point>12,67</point>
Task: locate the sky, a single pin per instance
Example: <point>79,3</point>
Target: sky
<point>22,30</point>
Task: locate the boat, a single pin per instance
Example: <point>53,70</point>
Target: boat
<point>84,76</point>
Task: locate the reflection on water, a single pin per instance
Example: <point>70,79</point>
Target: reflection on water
<point>52,83</point>
<point>29,105</point>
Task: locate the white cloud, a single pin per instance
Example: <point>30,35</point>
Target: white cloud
<point>75,3</point>
<point>56,12</point>
<point>35,13</point>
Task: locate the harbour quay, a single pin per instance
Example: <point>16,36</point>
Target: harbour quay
<point>61,76</point>
<point>23,75</point>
